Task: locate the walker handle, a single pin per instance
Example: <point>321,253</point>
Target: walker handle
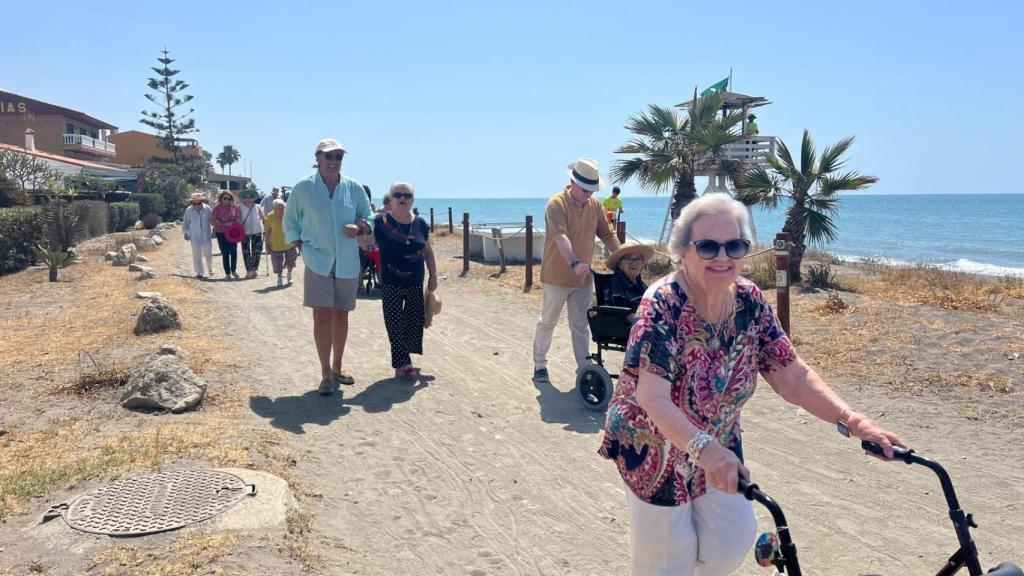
<point>898,452</point>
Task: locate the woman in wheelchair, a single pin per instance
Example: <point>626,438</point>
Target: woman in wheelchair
<point>626,287</point>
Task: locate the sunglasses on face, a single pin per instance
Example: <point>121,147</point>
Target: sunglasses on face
<point>227,198</point>
<point>632,258</point>
<point>328,156</point>
<point>401,195</point>
<point>708,249</point>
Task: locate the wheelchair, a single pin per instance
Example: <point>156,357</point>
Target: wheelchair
<point>369,276</point>
<point>609,329</point>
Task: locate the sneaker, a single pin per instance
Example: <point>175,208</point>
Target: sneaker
<point>199,276</point>
<point>289,275</point>
<point>280,281</point>
<point>234,275</point>
<point>326,387</point>
<point>540,375</point>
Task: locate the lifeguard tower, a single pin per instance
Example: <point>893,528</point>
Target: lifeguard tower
<point>749,151</point>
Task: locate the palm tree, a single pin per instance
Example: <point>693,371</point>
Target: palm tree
<point>670,148</point>
<point>228,156</point>
<point>813,189</point>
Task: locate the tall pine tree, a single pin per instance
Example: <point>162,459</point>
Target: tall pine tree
<point>168,97</point>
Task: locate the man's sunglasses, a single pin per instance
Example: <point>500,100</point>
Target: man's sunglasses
<point>708,249</point>
<point>400,195</point>
<point>328,156</point>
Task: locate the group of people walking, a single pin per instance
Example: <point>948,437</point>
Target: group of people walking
<point>699,338</point>
<point>250,225</point>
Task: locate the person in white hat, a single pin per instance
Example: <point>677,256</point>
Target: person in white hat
<point>571,221</point>
<point>325,213</point>
<point>195,225</point>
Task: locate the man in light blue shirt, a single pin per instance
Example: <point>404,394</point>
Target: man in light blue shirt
<point>325,213</point>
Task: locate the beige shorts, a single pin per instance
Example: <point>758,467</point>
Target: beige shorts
<point>329,292</point>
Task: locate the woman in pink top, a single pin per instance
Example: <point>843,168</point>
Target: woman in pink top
<point>226,213</point>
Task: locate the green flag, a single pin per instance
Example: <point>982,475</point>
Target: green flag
<point>721,85</point>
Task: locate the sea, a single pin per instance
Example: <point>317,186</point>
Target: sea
<point>975,233</point>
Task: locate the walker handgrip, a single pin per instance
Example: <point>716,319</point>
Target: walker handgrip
<point>898,453</point>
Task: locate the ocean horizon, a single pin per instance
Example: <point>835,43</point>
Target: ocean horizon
<point>975,233</point>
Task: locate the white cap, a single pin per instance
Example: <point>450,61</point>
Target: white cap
<point>328,144</point>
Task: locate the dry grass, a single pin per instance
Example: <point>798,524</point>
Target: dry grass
<point>189,554</point>
<point>34,464</point>
<point>933,286</point>
<point>834,304</point>
<point>94,308</point>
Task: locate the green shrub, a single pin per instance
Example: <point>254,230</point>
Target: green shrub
<point>95,214</point>
<point>151,220</point>
<point>123,216</point>
<point>20,230</point>
<point>12,195</point>
<point>820,276</point>
<point>149,204</point>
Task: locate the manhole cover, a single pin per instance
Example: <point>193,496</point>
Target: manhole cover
<point>156,502</point>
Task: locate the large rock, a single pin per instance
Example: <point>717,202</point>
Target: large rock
<point>157,316</point>
<point>109,256</point>
<point>158,240</point>
<point>126,255</point>
<point>164,382</point>
<point>145,244</point>
<point>156,232</point>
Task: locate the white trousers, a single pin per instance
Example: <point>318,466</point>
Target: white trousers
<point>707,537</point>
<point>555,297</point>
<point>201,249</point>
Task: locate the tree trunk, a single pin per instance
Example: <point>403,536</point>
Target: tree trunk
<point>683,192</point>
<point>53,273</point>
<point>797,230</point>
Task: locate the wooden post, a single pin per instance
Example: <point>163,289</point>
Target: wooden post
<point>431,219</point>
<point>496,237</point>
<point>451,228</point>
<point>528,283</point>
<point>782,280</point>
<point>620,231</point>
<point>465,243</point>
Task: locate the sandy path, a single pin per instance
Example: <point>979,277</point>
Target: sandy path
<point>474,470</point>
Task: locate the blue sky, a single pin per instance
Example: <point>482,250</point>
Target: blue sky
<point>493,99</point>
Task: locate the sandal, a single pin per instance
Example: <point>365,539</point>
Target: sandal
<point>343,377</point>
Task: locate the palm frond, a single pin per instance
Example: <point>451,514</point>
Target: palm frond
<point>807,156</point>
<point>846,181</point>
<point>787,165</point>
<point>760,187</point>
<point>832,156</point>
<point>820,227</point>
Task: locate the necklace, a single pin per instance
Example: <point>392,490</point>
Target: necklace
<point>717,331</point>
<point>407,233</point>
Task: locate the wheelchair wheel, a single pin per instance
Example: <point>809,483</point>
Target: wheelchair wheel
<point>594,387</point>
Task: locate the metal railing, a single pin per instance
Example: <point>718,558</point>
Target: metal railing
<point>752,150</point>
<point>89,142</point>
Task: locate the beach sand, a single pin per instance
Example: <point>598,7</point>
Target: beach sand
<point>476,470</point>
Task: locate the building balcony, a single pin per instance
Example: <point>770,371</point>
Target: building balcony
<point>88,145</point>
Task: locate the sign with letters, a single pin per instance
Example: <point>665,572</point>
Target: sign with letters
<point>7,107</point>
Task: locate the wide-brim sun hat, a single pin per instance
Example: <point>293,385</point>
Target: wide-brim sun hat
<point>197,196</point>
<point>250,193</point>
<point>584,172</point>
<point>329,144</point>
<point>625,250</point>
<point>431,307</point>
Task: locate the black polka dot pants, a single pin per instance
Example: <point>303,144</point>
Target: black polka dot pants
<point>403,318</point>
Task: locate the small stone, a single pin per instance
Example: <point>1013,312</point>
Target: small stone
<point>145,244</point>
<point>141,258</point>
<point>158,240</point>
<point>157,316</point>
<point>163,382</point>
<point>110,256</point>
<point>126,255</point>
<point>139,268</point>
<point>147,275</point>
<point>148,295</point>
<point>172,350</point>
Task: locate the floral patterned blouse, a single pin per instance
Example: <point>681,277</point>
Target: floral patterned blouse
<point>709,384</point>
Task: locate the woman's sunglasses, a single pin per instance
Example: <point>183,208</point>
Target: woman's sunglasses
<point>708,249</point>
<point>228,198</point>
<point>400,195</point>
<point>329,157</point>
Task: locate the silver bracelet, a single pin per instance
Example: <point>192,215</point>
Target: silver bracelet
<point>697,444</point>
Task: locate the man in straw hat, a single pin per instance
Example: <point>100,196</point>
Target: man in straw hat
<point>571,221</point>
<point>325,213</point>
<point>195,224</point>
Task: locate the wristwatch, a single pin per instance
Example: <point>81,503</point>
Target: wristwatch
<point>573,264</point>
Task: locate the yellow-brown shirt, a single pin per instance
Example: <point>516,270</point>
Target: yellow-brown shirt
<point>580,224</point>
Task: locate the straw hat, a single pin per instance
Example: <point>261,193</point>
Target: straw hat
<point>431,307</point>
<point>585,173</point>
<point>197,196</point>
<point>627,249</point>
